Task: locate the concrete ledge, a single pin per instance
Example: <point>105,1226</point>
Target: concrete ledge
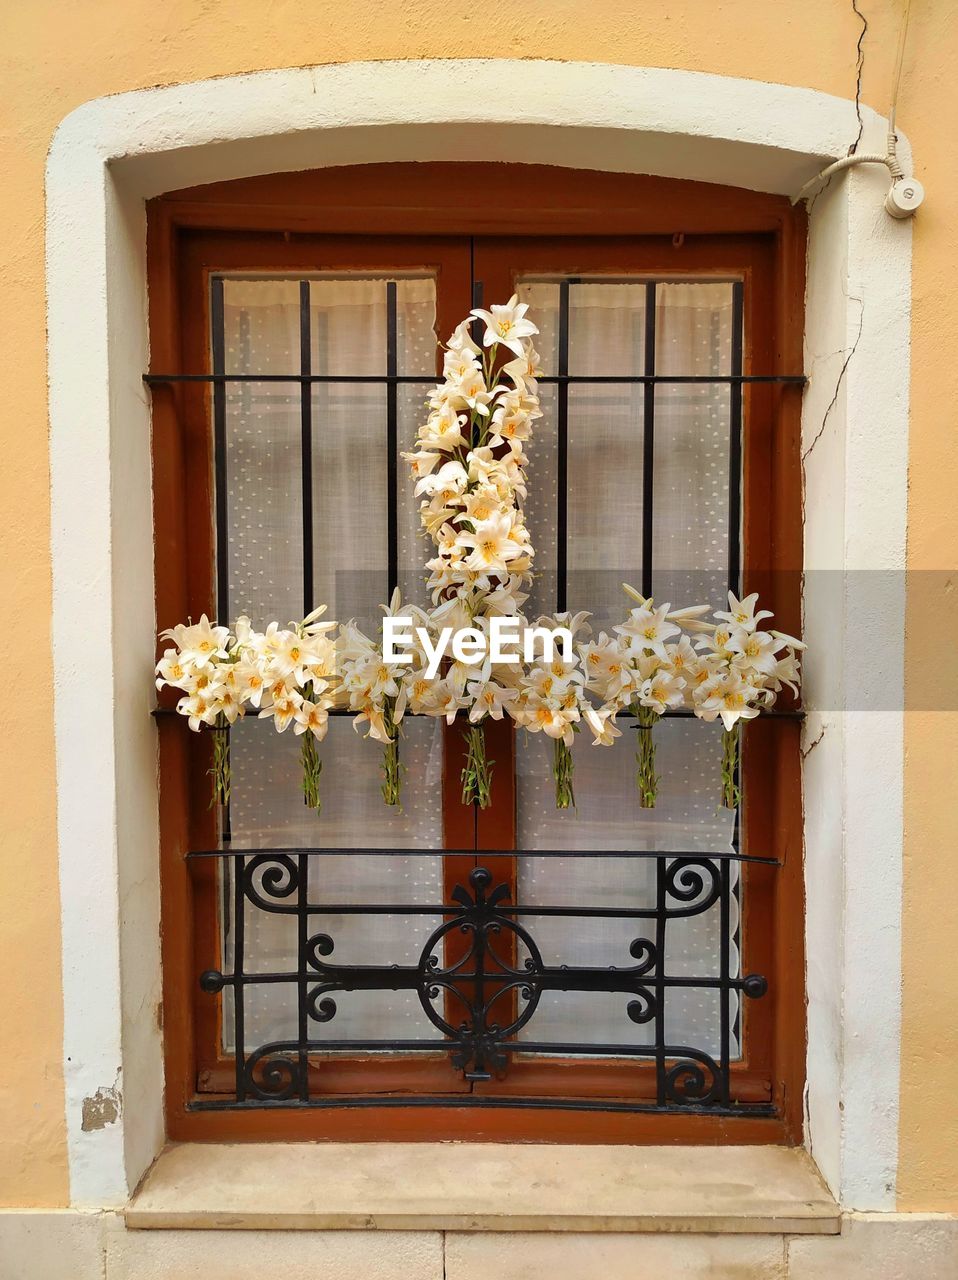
<point>483,1187</point>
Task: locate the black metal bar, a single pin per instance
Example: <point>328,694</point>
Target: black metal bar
<point>388,852</point>
<point>616,1049</point>
<point>220,481</point>
<point>392,434</point>
<point>448,908</point>
<point>218,352</point>
<point>477,295</point>
<point>385,974</point>
<point>239,965</point>
<point>483,1102</point>
<point>772,713</point>
<point>671,713</point>
<point>302,977</point>
<point>724,982</point>
<point>589,379</point>
<point>648,441</point>
<point>735,444</point>
<point>660,869</point>
<point>306,411</point>
<point>562,449</point>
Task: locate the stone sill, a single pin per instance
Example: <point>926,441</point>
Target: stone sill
<point>406,1186</point>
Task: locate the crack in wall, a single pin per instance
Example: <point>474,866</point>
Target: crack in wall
<point>859,72</point>
<point>807,751</point>
<point>849,353</point>
<point>859,68</point>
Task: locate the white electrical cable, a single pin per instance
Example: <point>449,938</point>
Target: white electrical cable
<point>900,203</point>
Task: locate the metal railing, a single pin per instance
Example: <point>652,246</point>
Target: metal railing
<point>480,978</point>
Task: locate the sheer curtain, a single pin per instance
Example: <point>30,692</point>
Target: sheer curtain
<point>604,549</point>
<point>347,318</point>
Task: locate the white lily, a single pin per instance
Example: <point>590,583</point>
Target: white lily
<point>754,651</point>
<point>313,717</point>
<point>200,643</point>
<point>602,725</point>
<point>311,626</point>
<point>481,504</point>
<point>461,339</point>
<point>491,545</point>
<point>199,708</point>
<point>489,699</point>
<point>662,692</point>
<point>727,696</point>
<point>375,718</point>
<point>422,462</point>
<point>647,629</point>
<point>525,369</point>
<point>443,429</point>
<point>173,671</point>
<point>506,325</point>
<point>283,709</point>
<point>470,392</point>
<point>741,613</point>
<point>250,681</point>
<point>446,483</point>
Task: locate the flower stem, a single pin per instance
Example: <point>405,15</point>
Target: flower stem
<point>646,779</point>
<point>563,770</point>
<point>731,751</point>
<point>312,768</point>
<point>392,769</point>
<point>220,772</point>
<point>477,774</point>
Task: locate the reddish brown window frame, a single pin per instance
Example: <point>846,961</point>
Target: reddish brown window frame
<point>636,223</point>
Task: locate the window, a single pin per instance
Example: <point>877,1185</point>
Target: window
<point>294,327</point>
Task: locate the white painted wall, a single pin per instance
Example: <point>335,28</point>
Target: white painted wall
<point>857,355</point>
<point>111,154</point>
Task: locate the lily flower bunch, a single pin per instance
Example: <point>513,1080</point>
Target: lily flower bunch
<point>286,674</point>
<point>647,666</point>
<point>741,669</point>
<point>469,468</point>
<point>552,700</point>
<point>381,692</point>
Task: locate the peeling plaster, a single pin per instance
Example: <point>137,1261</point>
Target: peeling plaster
<point>103,1108</point>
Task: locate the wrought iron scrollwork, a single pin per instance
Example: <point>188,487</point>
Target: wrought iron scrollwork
<point>480,978</point>
<point>694,1078</point>
<point>270,1075</point>
<point>272,876</point>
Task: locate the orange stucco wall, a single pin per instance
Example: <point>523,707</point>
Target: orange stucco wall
<point>56,56</point>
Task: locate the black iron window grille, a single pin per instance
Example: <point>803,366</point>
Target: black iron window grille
<point>481,974</point>
<point>479,979</point>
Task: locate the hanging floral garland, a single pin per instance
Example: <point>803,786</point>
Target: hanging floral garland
<point>469,469</point>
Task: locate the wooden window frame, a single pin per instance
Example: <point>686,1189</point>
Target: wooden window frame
<point>192,231</point>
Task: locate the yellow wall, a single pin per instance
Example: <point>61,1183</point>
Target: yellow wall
<point>57,55</point>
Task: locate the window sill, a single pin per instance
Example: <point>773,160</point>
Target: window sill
<point>483,1187</point>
